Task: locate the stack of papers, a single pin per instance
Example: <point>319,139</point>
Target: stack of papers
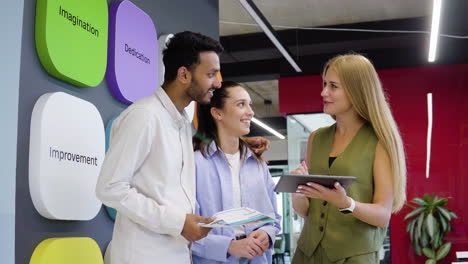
<point>238,216</point>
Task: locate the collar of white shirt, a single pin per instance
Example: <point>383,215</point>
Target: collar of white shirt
<point>179,118</point>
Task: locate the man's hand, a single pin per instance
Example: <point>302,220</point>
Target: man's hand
<point>262,237</point>
<point>246,248</point>
<point>192,231</point>
<point>257,144</point>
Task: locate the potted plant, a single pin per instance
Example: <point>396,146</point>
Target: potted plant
<point>429,223</point>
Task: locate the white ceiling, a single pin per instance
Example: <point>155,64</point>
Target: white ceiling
<point>309,13</point>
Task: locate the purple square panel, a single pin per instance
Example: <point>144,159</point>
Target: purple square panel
<point>132,68</point>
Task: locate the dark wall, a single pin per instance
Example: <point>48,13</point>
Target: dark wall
<point>31,228</point>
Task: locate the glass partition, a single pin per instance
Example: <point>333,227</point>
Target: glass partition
<point>299,128</point>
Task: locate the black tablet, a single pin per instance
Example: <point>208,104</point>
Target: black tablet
<point>289,182</point>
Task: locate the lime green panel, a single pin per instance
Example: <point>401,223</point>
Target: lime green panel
<point>70,250</point>
<point>71,39</point>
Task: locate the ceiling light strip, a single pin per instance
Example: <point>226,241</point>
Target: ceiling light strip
<point>248,5</point>
<point>435,29</point>
<point>266,127</point>
<point>429,133</point>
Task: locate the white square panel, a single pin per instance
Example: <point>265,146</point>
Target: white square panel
<point>67,146</point>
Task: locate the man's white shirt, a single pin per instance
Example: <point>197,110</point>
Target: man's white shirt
<point>149,176</point>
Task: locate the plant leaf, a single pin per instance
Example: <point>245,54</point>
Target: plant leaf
<point>436,240</point>
<point>429,253</point>
<point>441,238</point>
<point>419,227</point>
<point>431,225</point>
<point>419,201</point>
<point>443,222</point>
<point>453,215</point>
<point>431,261</point>
<point>424,240</point>
<point>428,198</point>
<point>440,202</point>
<point>444,212</point>
<point>408,225</point>
<point>417,248</point>
<point>416,211</point>
<point>449,227</point>
<point>443,251</point>
<point>410,228</point>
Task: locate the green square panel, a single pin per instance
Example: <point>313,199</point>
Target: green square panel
<point>71,39</point>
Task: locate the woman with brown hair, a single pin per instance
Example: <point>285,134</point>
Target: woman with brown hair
<point>229,175</point>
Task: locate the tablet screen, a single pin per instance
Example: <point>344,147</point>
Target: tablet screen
<point>289,182</point>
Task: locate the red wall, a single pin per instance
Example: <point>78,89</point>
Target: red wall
<point>407,89</point>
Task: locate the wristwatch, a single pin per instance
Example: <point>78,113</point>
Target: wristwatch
<point>350,209</point>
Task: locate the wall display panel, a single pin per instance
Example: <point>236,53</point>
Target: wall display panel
<point>108,132</point>
<point>111,212</point>
<point>133,53</point>
<point>71,39</point>
<point>70,250</point>
<point>66,153</point>
<point>30,227</point>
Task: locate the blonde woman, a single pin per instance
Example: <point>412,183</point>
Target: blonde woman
<point>349,226</point>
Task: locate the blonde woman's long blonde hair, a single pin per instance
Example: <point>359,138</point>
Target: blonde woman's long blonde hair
<point>364,89</point>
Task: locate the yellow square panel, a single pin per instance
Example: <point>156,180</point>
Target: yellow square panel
<point>69,250</point>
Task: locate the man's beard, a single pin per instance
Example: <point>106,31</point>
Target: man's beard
<point>196,93</point>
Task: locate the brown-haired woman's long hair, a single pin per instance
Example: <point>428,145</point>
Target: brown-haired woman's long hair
<point>207,129</point>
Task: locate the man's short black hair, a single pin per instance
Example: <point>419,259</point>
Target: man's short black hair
<point>184,49</point>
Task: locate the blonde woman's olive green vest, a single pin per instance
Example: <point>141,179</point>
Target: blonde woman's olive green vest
<point>342,235</point>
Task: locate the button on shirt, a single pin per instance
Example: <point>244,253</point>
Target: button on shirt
<point>215,193</point>
<point>148,176</point>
